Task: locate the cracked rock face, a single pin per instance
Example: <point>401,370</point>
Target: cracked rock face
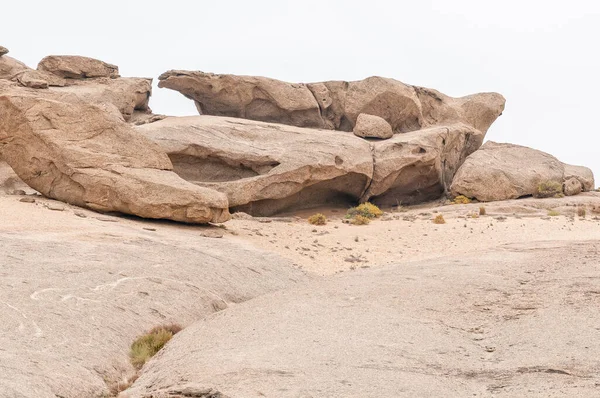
<point>101,164</point>
<point>265,168</point>
<point>499,171</point>
<point>333,105</point>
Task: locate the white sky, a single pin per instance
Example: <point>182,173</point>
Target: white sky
<point>543,56</point>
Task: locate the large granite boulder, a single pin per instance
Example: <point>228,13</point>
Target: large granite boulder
<point>369,126</point>
<point>333,105</point>
<point>101,164</point>
<point>77,67</point>
<point>247,97</point>
<point>419,166</point>
<point>499,171</point>
<point>265,168</point>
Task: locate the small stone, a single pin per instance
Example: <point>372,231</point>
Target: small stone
<point>27,199</point>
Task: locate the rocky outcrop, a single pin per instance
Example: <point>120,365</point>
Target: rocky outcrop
<point>499,171</point>
<point>369,126</point>
<point>3,51</point>
<point>247,97</point>
<point>420,165</point>
<point>100,164</point>
<point>265,168</point>
<point>333,105</point>
<point>77,67</point>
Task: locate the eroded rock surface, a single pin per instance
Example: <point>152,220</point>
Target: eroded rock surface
<point>101,164</point>
<point>265,168</point>
<point>333,105</point>
<point>499,171</point>
<point>420,165</point>
<point>77,67</point>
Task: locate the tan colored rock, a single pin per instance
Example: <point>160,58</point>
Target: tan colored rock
<point>77,67</point>
<point>420,165</point>
<point>247,97</point>
<point>335,104</point>
<point>265,168</point>
<point>506,171</point>
<point>572,186</point>
<point>369,126</point>
<point>10,183</point>
<point>101,164</point>
<point>583,174</point>
<point>3,51</point>
<point>10,68</point>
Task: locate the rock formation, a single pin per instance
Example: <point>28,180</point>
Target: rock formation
<point>265,168</point>
<point>76,67</point>
<point>505,171</point>
<point>332,105</point>
<point>369,126</point>
<point>101,164</point>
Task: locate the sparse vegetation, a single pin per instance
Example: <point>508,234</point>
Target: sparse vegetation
<point>549,189</point>
<point>474,215</point>
<point>461,200</point>
<point>482,211</point>
<point>360,220</point>
<point>317,219</point>
<point>368,210</point>
<point>581,212</point>
<point>439,219</point>
<point>147,345</point>
<point>553,213</point>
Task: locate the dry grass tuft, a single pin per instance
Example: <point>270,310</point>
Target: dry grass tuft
<point>147,345</point>
<point>367,209</point>
<point>360,220</point>
<point>553,213</point>
<point>581,212</point>
<point>317,219</point>
<point>482,211</point>
<point>549,189</point>
<point>439,219</point>
<point>461,200</point>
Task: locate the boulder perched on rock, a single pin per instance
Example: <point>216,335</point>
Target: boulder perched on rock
<point>265,168</point>
<point>369,126</point>
<point>3,51</point>
<point>500,171</point>
<point>333,105</point>
<point>101,164</point>
<point>247,97</point>
<point>420,165</point>
<point>77,67</point>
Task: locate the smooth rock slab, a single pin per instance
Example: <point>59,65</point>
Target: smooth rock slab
<point>101,164</point>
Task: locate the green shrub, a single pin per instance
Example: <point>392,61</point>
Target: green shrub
<point>368,210</point>
<point>317,219</point>
<point>461,200</point>
<point>548,189</point>
<point>147,345</point>
<point>439,219</point>
<point>360,220</point>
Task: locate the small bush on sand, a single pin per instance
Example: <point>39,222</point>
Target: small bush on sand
<point>581,212</point>
<point>439,219</point>
<point>368,210</point>
<point>360,220</point>
<point>461,200</point>
<point>482,211</point>
<point>548,189</point>
<point>553,213</point>
<point>147,345</point>
<point>317,219</point>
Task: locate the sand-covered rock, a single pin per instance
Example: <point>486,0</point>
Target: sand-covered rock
<point>333,105</point>
<point>369,126</point>
<point>101,164</point>
<point>265,168</point>
<point>500,171</point>
<point>420,165</point>
<point>77,67</point>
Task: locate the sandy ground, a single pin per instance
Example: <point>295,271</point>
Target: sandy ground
<point>409,234</point>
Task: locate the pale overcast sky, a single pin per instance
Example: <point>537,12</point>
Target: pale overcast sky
<point>542,56</point>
